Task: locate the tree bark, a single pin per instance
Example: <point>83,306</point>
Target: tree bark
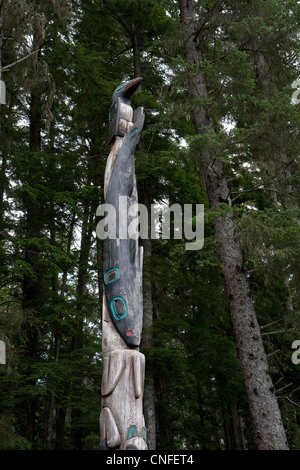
<point>282,170</point>
<point>61,402</point>
<point>232,430</point>
<point>78,337</point>
<point>60,421</point>
<point>3,153</point>
<point>31,295</point>
<point>32,287</point>
<point>2,184</point>
<point>265,413</point>
<point>147,342</point>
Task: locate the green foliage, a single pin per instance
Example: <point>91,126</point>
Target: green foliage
<point>51,261</point>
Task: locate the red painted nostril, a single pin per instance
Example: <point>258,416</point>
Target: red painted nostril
<point>129,332</point>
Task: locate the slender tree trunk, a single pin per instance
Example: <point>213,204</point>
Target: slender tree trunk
<point>60,421</point>
<point>2,186</point>
<point>233,431</point>
<point>249,433</point>
<point>147,342</point>
<point>57,337</point>
<point>61,402</point>
<point>88,225</point>
<point>3,164</point>
<point>282,170</point>
<point>78,337</point>
<point>1,35</point>
<point>51,401</point>
<point>267,422</point>
<point>32,286</point>
<point>136,52</point>
<point>164,436</point>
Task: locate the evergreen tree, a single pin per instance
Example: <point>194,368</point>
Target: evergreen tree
<point>220,130</point>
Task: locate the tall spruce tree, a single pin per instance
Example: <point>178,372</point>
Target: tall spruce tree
<point>269,430</point>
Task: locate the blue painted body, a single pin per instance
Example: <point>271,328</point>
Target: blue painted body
<point>122,257</point>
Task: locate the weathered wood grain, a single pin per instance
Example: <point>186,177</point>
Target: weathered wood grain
<point>122,424</point>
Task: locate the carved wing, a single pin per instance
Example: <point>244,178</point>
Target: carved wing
<point>113,119</point>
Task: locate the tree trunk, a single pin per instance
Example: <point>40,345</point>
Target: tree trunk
<point>282,172</point>
<point>61,406</point>
<point>60,421</point>
<point>233,431</point>
<point>56,344</point>
<point>147,342</point>
<point>32,286</point>
<point>77,340</point>
<point>267,422</point>
<point>2,186</point>
<point>164,436</point>
<point>3,153</point>
<point>249,433</point>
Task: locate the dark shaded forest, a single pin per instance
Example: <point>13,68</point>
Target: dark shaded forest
<point>222,120</point>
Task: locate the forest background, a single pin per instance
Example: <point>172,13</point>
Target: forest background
<point>61,61</point>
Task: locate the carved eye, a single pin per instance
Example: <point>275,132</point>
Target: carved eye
<point>119,308</point>
<point>121,87</point>
<point>112,275</point>
<point>133,133</point>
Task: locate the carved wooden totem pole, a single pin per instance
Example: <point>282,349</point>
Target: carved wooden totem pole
<point>122,424</point>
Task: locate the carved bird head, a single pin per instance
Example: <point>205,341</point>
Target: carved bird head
<point>126,89</point>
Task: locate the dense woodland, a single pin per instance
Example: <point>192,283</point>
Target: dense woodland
<point>222,130</point>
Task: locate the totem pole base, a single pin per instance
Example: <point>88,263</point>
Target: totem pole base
<point>122,423</point>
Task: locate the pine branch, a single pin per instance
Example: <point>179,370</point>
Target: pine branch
<point>291,401</point>
<point>269,324</point>
<point>7,67</point>
<point>274,352</point>
<point>282,388</point>
<point>279,380</point>
<point>112,59</point>
<point>278,331</point>
<point>255,188</point>
<point>118,18</point>
<point>10,301</point>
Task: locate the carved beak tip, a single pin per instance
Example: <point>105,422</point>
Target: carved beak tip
<point>132,87</point>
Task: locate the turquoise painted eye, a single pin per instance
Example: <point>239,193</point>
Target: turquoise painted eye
<point>133,133</point>
<point>112,275</point>
<point>119,308</point>
<point>120,88</point>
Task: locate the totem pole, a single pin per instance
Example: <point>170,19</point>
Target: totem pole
<point>122,424</point>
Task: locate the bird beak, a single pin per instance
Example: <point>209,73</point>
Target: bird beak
<point>131,87</point>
